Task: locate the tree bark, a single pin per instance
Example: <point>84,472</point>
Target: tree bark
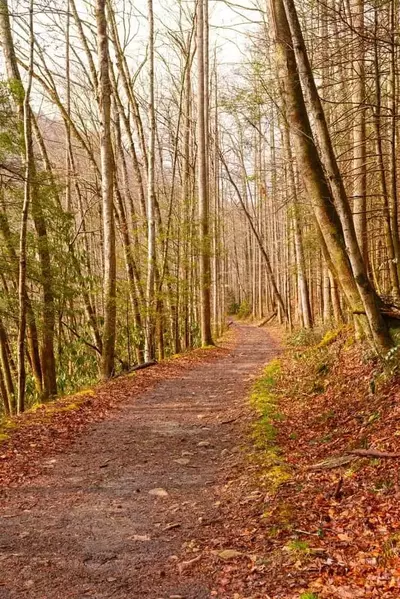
<point>107,183</point>
<point>339,233</point>
<point>203,187</point>
<point>149,348</point>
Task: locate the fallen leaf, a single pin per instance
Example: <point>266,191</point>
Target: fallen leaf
<point>228,554</point>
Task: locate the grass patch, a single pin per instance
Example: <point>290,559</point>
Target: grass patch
<point>298,547</point>
<point>308,595</point>
<point>265,400</point>
<point>262,397</point>
<point>390,549</point>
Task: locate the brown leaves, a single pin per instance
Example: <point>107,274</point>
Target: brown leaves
<point>345,544</point>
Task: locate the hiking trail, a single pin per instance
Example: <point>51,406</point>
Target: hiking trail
<point>109,518</point>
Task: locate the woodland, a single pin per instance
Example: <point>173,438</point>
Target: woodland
<point>146,192</point>
<point>188,189</point>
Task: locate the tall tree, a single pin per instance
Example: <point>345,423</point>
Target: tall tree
<point>149,351</point>
<point>107,184</point>
<point>48,366</point>
<point>29,173</point>
<point>203,183</point>
<point>358,283</point>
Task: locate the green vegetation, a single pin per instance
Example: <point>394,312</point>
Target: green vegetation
<point>265,400</point>
<point>297,546</point>
<point>4,437</point>
<point>244,310</point>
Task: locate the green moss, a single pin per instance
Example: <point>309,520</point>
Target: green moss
<point>84,392</point>
<point>276,476</point>
<point>281,516</point>
<point>308,595</point>
<point>350,341</point>
<point>70,407</point>
<point>55,409</point>
<point>8,425</point>
<point>4,437</point>
<point>265,400</point>
<point>329,337</point>
<point>262,398</point>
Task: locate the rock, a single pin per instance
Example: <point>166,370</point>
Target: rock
<point>159,492</point>
<point>182,461</point>
<point>140,538</point>
<point>204,444</point>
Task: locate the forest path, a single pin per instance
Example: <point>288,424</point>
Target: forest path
<point>110,517</point>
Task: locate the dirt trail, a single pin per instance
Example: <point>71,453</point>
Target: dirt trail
<point>89,527</point>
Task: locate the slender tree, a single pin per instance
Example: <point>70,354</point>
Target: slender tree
<point>203,184</point>
<point>107,182</point>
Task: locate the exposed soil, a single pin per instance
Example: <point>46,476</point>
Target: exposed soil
<point>117,513</point>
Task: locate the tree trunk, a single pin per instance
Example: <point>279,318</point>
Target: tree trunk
<point>202,132</point>
<point>149,349</point>
<point>359,133</point>
<point>337,233</point>
<point>107,182</point>
<point>29,173</point>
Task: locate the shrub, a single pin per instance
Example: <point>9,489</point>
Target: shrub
<point>244,310</point>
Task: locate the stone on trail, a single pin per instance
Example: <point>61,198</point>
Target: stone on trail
<point>204,444</point>
<point>159,492</point>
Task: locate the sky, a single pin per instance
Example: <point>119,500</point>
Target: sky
<point>231,26</point>
<point>231,23</point>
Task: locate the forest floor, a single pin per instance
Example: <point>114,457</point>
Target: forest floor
<point>316,512</point>
<point>170,484</point>
<point>121,508</point>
